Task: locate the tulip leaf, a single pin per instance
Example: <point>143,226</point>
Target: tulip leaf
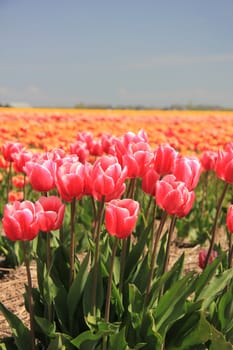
<point>171,305</point>
<point>117,341</point>
<point>215,287</point>
<point>77,287</point>
<point>207,275</point>
<point>20,332</point>
<point>88,296</point>
<point>225,312</point>
<point>61,342</point>
<point>136,252</point>
<point>47,328</point>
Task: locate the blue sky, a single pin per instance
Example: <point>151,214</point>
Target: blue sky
<point>131,52</point>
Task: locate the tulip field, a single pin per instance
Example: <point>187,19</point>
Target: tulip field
<point>103,209</point>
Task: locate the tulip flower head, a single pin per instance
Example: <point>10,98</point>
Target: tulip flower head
<point>149,180</point>
<point>202,257</point>
<point>108,178</point>
<point>70,179</point>
<point>121,217</point>
<point>20,220</point>
<point>188,170</point>
<point>52,216</point>
<point>41,174</point>
<point>9,148</point>
<point>208,160</point>
<point>173,196</point>
<point>224,166</point>
<point>164,159</point>
<point>229,219</point>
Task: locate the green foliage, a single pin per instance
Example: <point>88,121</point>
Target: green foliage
<point>177,310</point>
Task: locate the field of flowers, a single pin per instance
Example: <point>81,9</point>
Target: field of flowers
<point>95,200</point>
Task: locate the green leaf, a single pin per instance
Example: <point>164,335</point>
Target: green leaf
<point>88,293</point>
<point>218,341</point>
<point>45,326</point>
<point>191,330</point>
<point>149,333</point>
<point>117,341</point>
<point>77,288</point>
<point>20,332</point>
<point>136,253</point>
<point>225,312</point>
<point>61,309</point>
<point>61,342</point>
<point>207,275</point>
<point>215,287</point>
<point>135,306</point>
<point>171,305</point>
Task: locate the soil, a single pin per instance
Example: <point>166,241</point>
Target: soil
<point>12,284</point>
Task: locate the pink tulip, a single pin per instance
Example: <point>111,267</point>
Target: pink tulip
<point>137,158</point>
<point>188,170</point>
<point>52,216</point>
<point>202,257</point>
<point>108,178</point>
<point>20,220</point>
<point>229,218</point>
<point>80,149</point>
<point>9,148</point>
<point>149,180</point>
<point>164,159</point>
<point>121,217</point>
<point>224,166</point>
<point>208,160</point>
<point>41,174</point>
<point>173,196</point>
<point>20,159</point>
<point>70,179</point>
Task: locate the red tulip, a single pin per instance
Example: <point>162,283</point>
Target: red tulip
<point>208,160</point>
<point>224,166</point>
<point>149,180</point>
<point>121,217</point>
<point>20,220</point>
<point>51,217</point>
<point>108,178</point>
<point>173,196</point>
<point>41,174</point>
<point>188,170</point>
<point>20,158</point>
<point>137,158</point>
<point>229,218</point>
<point>9,148</point>
<point>164,159</point>
<point>80,149</point>
<point>70,179</point>
<point>202,257</point>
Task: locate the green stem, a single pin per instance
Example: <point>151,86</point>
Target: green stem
<point>122,263</point>
<point>153,257</point>
<point>109,290</point>
<point>97,254</point>
<point>147,212</point>
<point>30,298</point>
<point>219,206</point>
<point>72,240</point>
<point>170,233</point>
